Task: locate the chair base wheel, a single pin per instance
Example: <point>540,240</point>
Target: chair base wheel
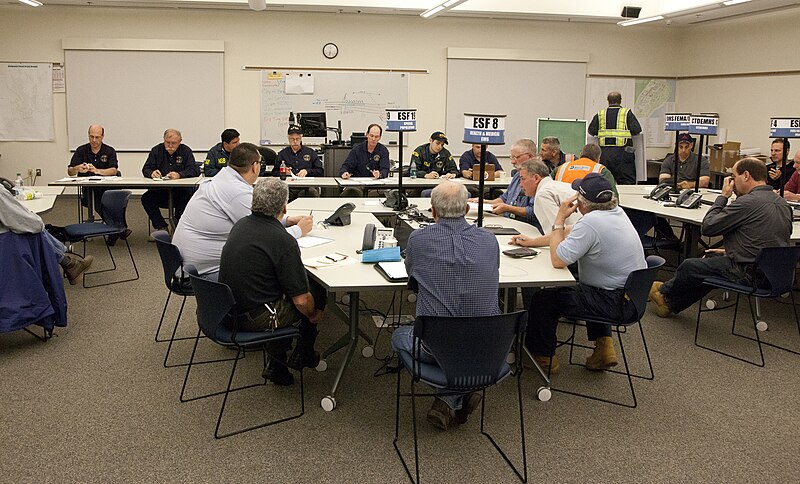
<point>328,403</point>
<point>711,304</point>
<point>321,366</point>
<point>762,326</point>
<point>412,298</point>
<point>346,299</point>
<point>367,351</point>
<point>511,358</point>
<point>544,394</point>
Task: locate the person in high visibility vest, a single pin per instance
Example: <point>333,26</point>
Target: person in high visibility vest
<point>615,126</point>
<point>589,162</point>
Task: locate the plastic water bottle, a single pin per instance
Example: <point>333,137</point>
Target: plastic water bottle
<point>412,170</point>
<point>284,170</point>
<point>18,187</point>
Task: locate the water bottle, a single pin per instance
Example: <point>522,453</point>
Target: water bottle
<point>18,187</point>
<point>412,170</point>
<point>284,170</point>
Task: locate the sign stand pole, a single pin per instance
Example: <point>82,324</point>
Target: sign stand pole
<point>675,162</point>
<point>481,185</point>
<point>785,170</point>
<point>699,164</point>
<point>402,201</point>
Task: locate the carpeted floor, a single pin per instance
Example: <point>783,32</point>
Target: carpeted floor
<point>94,404</point>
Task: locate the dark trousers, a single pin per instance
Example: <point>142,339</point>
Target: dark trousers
<point>97,194</point>
<point>686,287</point>
<point>576,302</point>
<point>621,163</point>
<point>152,200</point>
<point>307,192</point>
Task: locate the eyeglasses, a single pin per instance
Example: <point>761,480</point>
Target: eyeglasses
<point>516,157</point>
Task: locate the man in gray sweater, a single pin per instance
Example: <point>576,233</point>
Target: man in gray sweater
<point>758,218</point>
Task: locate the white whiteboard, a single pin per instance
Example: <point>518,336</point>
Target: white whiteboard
<point>136,95</point>
<point>355,98</point>
<point>523,90</point>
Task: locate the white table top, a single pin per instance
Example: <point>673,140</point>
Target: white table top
<point>124,182</point>
<point>44,204</point>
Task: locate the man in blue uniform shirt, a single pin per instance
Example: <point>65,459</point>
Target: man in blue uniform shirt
<point>301,160</point>
<point>472,157</point>
<point>173,160</point>
<point>367,159</point>
<point>94,158</point>
<point>218,156</point>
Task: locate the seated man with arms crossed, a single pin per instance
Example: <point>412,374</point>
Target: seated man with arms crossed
<point>217,205</point>
<point>218,156</point>
<point>607,249</point>
<point>687,166</point>
<point>456,267</point>
<point>758,218</point>
<point>367,159</point>
<point>261,264</point>
<point>513,203</point>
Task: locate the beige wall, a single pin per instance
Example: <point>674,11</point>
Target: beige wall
<point>282,39</point>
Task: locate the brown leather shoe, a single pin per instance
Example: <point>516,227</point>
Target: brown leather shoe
<point>470,403</point>
<point>545,363</point>
<point>604,357</point>
<point>657,298</point>
<point>75,265</point>
<point>440,415</point>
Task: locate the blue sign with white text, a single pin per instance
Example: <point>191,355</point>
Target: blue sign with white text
<point>784,128</point>
<point>706,125</point>
<point>401,120</point>
<point>485,129</point>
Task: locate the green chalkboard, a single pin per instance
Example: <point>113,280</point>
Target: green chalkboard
<point>570,132</point>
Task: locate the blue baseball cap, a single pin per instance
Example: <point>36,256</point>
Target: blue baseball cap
<point>594,187</point>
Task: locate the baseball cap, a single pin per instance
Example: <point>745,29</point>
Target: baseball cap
<point>295,129</point>
<point>439,136</point>
<point>685,138</point>
<point>594,187</point>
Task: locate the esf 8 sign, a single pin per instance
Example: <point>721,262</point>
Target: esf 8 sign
<point>488,129</point>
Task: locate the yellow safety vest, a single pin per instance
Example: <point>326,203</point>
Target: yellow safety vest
<point>620,133</point>
<point>576,169</point>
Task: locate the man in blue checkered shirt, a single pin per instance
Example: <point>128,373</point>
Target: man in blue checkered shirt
<point>456,266</point>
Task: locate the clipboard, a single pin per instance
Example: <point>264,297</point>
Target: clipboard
<point>392,271</point>
<point>499,230</point>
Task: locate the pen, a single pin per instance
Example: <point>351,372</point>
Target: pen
<point>311,213</point>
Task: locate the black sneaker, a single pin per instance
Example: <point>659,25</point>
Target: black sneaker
<point>303,356</point>
<point>277,374</point>
<point>471,402</point>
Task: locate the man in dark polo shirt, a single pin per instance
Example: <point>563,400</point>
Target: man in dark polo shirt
<point>261,264</point>
<point>173,160</point>
<point>219,154</point>
<point>301,160</point>
<point>687,165</point>
<point>367,159</point>
<point>95,158</point>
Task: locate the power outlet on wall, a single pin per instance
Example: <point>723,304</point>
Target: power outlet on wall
<point>38,172</point>
<point>30,173</point>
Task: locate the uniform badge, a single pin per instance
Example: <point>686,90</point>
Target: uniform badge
<point>104,158</point>
<point>440,164</point>
<point>179,159</point>
<point>306,157</point>
<point>222,161</point>
<point>377,157</point>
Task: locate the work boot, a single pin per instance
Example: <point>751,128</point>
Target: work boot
<point>548,366</point>
<point>470,403</point>
<point>304,355</point>
<point>440,415</point>
<point>603,357</point>
<point>276,371</point>
<point>74,266</point>
<point>657,297</point>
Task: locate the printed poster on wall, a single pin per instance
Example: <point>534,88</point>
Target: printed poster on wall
<point>26,102</point>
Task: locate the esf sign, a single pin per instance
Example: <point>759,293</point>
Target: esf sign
<point>401,120</point>
<point>784,128</point>
<point>703,125</point>
<point>676,121</point>
<point>487,129</point>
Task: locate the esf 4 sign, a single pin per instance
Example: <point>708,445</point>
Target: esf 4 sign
<point>784,128</point>
<point>487,129</point>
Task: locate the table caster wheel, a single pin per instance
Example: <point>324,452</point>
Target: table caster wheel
<point>346,299</point>
<point>511,358</point>
<point>711,304</point>
<point>328,403</point>
<point>762,326</point>
<point>321,366</point>
<point>726,296</point>
<point>412,298</point>
<point>544,394</point>
<point>367,351</point>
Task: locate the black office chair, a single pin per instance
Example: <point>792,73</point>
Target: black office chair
<point>214,302</point>
<point>472,353</point>
<point>778,264</point>
<point>268,157</point>
<point>644,222</point>
<point>177,282</point>
<point>637,288</point>
<point>115,203</point>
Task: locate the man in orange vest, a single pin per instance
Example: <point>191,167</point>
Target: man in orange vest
<point>589,162</point>
<point>615,128</point>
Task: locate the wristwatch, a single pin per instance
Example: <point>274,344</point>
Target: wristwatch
<point>557,227</point>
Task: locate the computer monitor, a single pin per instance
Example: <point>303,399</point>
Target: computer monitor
<point>313,124</point>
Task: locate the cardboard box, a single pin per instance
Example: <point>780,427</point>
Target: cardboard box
<point>723,156</point>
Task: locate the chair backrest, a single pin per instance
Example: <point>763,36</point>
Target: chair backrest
<point>268,157</point>
<point>214,302</point>
<point>637,287</point>
<point>471,351</point>
<point>114,203</point>
<point>171,259</point>
<point>778,265</point>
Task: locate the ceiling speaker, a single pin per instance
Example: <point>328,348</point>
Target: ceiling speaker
<point>257,4</point>
<point>627,12</point>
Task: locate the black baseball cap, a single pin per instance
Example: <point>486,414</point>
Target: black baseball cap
<point>594,187</point>
<point>439,136</point>
<point>685,138</point>
<point>295,129</point>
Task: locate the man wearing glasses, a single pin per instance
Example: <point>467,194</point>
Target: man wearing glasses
<point>173,160</point>
<point>217,205</point>
<point>301,160</point>
<point>513,203</point>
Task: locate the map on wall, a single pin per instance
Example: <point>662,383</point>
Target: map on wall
<point>652,98</point>
<point>26,102</point>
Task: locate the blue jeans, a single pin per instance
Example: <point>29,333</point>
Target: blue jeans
<point>56,245</point>
<point>403,340</point>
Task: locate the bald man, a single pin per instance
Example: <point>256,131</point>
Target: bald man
<point>93,158</point>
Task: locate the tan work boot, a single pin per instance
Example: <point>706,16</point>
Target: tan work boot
<point>440,414</point>
<point>74,266</point>
<point>603,356</point>
<point>662,308</point>
<point>546,364</point>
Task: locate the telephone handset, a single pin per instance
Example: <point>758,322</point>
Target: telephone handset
<point>374,237</point>
<point>661,192</point>
<point>341,216</point>
<point>689,199</point>
<point>7,184</point>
